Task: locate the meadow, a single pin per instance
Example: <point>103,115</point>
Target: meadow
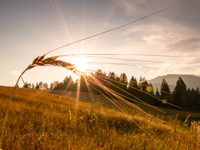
<point>39,120</point>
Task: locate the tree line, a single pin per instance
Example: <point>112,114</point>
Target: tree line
<point>101,83</point>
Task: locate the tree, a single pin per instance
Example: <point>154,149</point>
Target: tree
<point>40,85</point>
<point>124,82</point>
<point>141,82</point>
<point>83,83</point>
<point>26,85</point>
<point>179,93</point>
<point>133,87</point>
<point>98,80</point>
<point>45,86</point>
<point>113,82</point>
<point>164,90</point>
<point>37,86</point>
<point>68,83</point>
<point>53,85</point>
<point>133,83</point>
<point>157,93</point>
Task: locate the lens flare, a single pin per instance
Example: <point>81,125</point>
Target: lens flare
<point>80,63</point>
<point>149,89</point>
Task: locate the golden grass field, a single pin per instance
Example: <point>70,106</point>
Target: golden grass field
<point>37,119</point>
<point>101,100</point>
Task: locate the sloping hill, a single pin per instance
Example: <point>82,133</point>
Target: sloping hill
<point>191,81</point>
<point>102,101</point>
<point>35,119</point>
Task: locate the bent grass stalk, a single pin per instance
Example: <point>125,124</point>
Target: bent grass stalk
<point>39,61</point>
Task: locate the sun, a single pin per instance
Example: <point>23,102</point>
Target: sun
<point>80,63</point>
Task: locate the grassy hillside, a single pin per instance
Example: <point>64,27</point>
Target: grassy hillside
<point>39,120</point>
<point>169,114</point>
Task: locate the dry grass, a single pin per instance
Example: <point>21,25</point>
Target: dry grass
<point>38,120</point>
<point>170,114</point>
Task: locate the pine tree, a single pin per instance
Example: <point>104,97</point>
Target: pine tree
<point>68,83</point>
<point>141,82</point>
<point>133,83</point>
<point>157,93</point>
<point>26,85</point>
<point>37,86</point>
<point>179,93</point>
<point>133,87</point>
<point>164,90</point>
<point>124,81</point>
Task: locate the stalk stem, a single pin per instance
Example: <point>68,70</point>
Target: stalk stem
<point>17,82</point>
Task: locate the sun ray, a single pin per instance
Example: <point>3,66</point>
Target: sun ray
<point>132,119</point>
<point>107,31</point>
<point>131,95</point>
<point>119,97</point>
<point>61,18</point>
<point>106,96</point>
<point>78,91</point>
<point>116,94</point>
<point>105,22</point>
<point>88,86</point>
<point>140,91</point>
<point>80,63</point>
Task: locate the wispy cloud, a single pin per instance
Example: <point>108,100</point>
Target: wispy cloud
<point>192,43</point>
<point>177,28</point>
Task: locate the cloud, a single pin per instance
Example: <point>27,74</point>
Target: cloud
<point>192,60</point>
<point>131,6</point>
<point>188,44</point>
<point>166,35</point>
<point>14,73</point>
<point>172,31</point>
<point>156,39</point>
<point>168,69</point>
<point>183,13</point>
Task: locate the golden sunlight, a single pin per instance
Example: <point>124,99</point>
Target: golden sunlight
<point>80,63</point>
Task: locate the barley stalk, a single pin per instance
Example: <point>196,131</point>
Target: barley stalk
<point>40,61</point>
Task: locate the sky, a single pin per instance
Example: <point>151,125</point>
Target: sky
<point>31,28</point>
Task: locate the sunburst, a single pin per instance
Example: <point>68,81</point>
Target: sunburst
<point>81,64</point>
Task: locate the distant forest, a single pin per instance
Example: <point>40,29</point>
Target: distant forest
<point>188,99</point>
